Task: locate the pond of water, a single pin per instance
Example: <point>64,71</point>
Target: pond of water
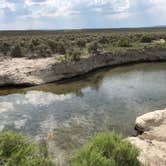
<point>69,113</point>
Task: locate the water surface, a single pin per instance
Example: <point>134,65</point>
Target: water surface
<point>67,114</point>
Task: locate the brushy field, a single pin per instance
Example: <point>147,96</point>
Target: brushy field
<point>71,45</point>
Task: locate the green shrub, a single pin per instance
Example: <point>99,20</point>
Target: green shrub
<point>17,150</point>
<point>146,38</point>
<point>5,48</point>
<point>81,43</point>
<point>93,48</point>
<point>16,51</point>
<point>43,50</point>
<point>71,55</point>
<point>36,42</point>
<point>103,40</point>
<point>124,42</point>
<point>52,44</point>
<point>106,149</point>
<point>61,48</point>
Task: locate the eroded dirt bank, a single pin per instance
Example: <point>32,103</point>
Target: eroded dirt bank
<point>21,71</point>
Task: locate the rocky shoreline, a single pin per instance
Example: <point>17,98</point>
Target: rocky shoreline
<point>152,141</point>
<point>29,72</point>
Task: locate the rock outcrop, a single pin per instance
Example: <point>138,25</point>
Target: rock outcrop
<point>152,141</point>
<point>21,71</point>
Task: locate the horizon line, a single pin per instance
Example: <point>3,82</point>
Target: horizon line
<point>90,28</point>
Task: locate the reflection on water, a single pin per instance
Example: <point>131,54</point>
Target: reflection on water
<point>67,114</point>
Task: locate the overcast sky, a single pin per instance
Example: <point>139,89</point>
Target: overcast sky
<point>68,14</point>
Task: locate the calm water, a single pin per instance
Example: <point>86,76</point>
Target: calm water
<point>67,114</point>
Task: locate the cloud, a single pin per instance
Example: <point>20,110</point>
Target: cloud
<point>4,4</point>
<point>1,13</point>
<point>159,5</point>
<point>57,14</point>
<point>40,2</point>
<point>56,8</point>
<point>50,8</point>
<point>43,98</point>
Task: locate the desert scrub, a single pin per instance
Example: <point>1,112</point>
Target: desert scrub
<point>16,51</point>
<point>39,44</point>
<point>17,150</point>
<point>94,47</point>
<point>147,38</point>
<point>124,42</point>
<point>106,149</point>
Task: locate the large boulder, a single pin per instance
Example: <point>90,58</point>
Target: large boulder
<point>152,140</point>
<point>151,119</point>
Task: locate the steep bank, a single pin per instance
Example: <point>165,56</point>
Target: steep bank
<point>21,71</point>
<point>152,141</point>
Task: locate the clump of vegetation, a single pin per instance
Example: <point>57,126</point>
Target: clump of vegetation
<point>74,54</point>
<point>106,149</point>
<point>81,43</point>
<point>16,51</point>
<point>124,42</point>
<point>43,50</point>
<point>103,40</point>
<point>93,48</point>
<point>61,48</point>
<point>17,150</point>
<point>5,48</point>
<point>147,38</point>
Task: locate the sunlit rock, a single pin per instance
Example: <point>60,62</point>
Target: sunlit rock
<point>150,120</point>
<point>152,141</point>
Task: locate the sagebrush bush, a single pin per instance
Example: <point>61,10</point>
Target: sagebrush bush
<point>106,149</point>
<point>81,43</point>
<point>43,50</point>
<point>124,42</point>
<point>71,55</point>
<point>5,47</point>
<point>16,51</point>
<point>93,48</point>
<point>103,40</point>
<point>17,150</point>
<point>53,45</point>
<point>146,38</point>
<point>61,48</point>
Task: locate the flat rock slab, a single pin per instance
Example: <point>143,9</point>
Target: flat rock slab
<point>152,141</point>
<point>19,70</point>
<point>153,153</point>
